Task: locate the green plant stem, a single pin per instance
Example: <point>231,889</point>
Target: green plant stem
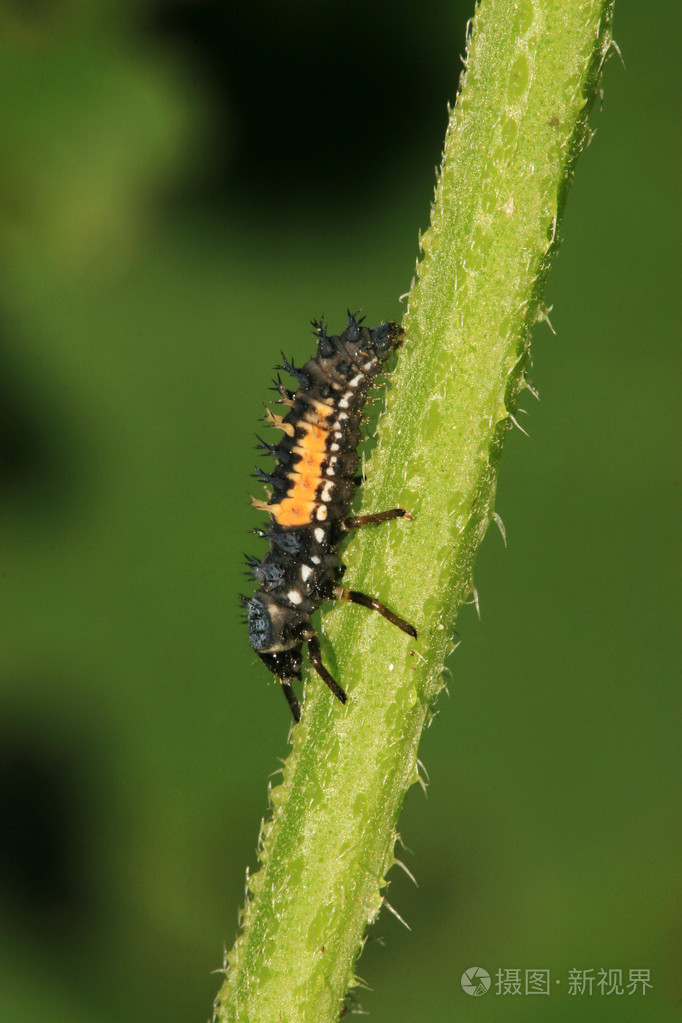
<point>519,122</point>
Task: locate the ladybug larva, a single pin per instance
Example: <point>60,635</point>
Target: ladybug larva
<point>312,488</point>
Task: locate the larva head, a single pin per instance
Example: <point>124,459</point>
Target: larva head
<point>276,633</point>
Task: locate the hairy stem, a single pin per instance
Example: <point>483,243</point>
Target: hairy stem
<point>532,73</point>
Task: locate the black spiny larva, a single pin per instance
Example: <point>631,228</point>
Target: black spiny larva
<point>313,484</point>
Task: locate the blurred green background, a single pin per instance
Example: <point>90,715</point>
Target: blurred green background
<point>183,186</point>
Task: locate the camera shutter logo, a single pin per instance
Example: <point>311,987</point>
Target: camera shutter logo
<point>475,980</point>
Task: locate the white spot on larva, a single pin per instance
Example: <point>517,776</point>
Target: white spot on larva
<point>330,472</point>
<point>335,447</point>
<point>342,415</point>
<point>321,513</point>
<point>356,380</point>
<point>313,557</point>
<point>306,572</point>
<point>295,597</point>
<point>344,403</point>
<point>367,366</point>
<point>320,537</point>
<point>327,491</point>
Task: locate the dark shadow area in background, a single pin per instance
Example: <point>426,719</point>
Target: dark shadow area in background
<point>46,816</point>
<point>25,458</point>
<point>45,460</point>
<point>313,103</point>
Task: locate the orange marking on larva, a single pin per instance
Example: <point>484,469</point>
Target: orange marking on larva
<point>292,512</point>
<point>309,459</point>
<point>305,484</point>
<point>297,508</point>
<point>317,414</point>
<point>323,408</point>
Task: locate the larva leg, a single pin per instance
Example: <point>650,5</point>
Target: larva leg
<point>354,597</point>
<point>315,655</point>
<point>356,521</point>
<point>292,700</point>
